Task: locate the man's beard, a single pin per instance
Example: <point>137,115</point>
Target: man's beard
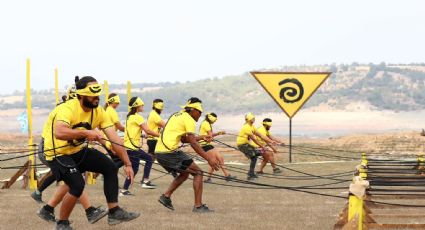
<point>88,104</point>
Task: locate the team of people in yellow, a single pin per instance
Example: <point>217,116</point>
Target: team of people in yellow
<point>78,121</point>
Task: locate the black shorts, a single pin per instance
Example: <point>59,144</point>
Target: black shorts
<point>151,145</point>
<point>174,162</point>
<point>87,159</point>
<point>207,148</point>
<point>249,151</point>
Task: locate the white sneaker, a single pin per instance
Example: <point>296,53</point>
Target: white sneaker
<point>148,185</point>
<point>125,193</point>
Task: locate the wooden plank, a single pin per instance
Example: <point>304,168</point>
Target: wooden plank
<point>17,174</point>
<point>396,226</point>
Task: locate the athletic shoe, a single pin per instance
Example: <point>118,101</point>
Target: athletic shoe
<point>148,185</point>
<point>202,209</point>
<point>230,177</point>
<point>97,214</point>
<point>208,180</point>
<point>37,196</point>
<point>259,172</point>
<point>46,215</point>
<point>252,177</point>
<point>277,171</point>
<point>125,193</point>
<point>120,216</point>
<point>166,201</point>
<point>63,225</point>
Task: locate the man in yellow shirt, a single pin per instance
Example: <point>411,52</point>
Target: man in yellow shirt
<point>155,123</point>
<point>268,156</point>
<point>247,133</point>
<point>206,129</point>
<point>47,211</point>
<point>68,156</point>
<point>181,127</point>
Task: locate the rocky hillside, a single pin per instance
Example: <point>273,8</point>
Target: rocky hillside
<point>398,87</point>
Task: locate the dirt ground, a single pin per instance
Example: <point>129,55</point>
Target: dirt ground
<point>235,208</point>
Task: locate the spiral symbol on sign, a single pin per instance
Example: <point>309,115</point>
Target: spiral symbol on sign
<point>292,90</point>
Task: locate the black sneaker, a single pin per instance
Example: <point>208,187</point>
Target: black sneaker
<point>120,216</point>
<point>166,201</point>
<point>37,196</point>
<point>46,215</point>
<point>148,185</point>
<point>97,214</point>
<point>202,209</point>
<point>63,225</point>
<point>230,177</point>
<point>277,171</point>
<point>208,180</point>
<point>252,177</point>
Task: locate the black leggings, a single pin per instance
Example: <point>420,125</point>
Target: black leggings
<point>151,146</point>
<point>65,168</point>
<point>46,183</point>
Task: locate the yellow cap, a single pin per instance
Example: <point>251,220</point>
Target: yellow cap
<point>211,118</point>
<point>249,117</point>
<point>137,103</point>
<point>114,99</point>
<point>92,90</point>
<point>196,105</point>
<point>158,105</point>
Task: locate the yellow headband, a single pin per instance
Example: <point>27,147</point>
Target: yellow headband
<point>249,117</point>
<point>268,123</point>
<point>93,90</point>
<point>114,99</point>
<point>196,105</point>
<point>158,105</point>
<point>137,103</point>
<point>211,118</point>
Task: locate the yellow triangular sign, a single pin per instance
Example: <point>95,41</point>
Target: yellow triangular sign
<point>290,90</point>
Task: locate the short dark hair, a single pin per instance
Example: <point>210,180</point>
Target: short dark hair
<point>81,83</point>
<point>267,120</point>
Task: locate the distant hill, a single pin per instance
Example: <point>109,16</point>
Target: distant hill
<point>397,87</point>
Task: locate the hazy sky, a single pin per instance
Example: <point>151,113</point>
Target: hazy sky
<point>180,40</point>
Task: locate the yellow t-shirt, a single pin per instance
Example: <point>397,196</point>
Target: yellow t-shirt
<point>133,131</point>
<point>243,137</point>
<point>178,125</point>
<point>47,128</point>
<point>113,116</point>
<point>262,130</point>
<point>203,130</point>
<point>72,114</point>
<point>153,123</point>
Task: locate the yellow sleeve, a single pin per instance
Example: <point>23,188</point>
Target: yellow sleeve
<point>105,121</point>
<point>64,114</point>
<point>139,120</point>
<point>156,118</point>
<point>189,124</point>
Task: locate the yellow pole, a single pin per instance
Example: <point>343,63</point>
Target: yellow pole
<point>106,89</point>
<point>56,86</point>
<point>32,181</point>
<point>355,208</point>
<point>128,93</point>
